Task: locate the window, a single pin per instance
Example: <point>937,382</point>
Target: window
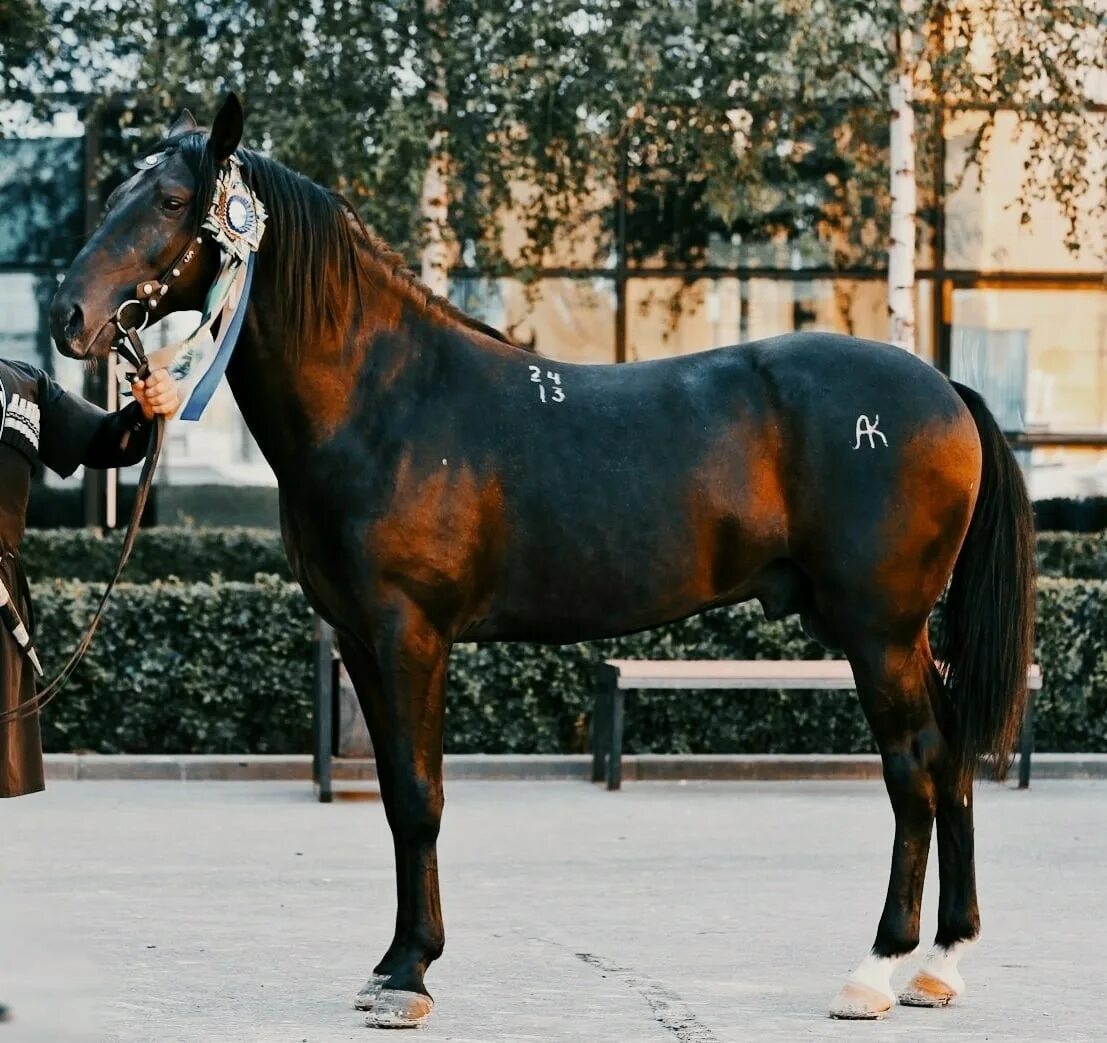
<point>571,320</point>
<point>984,226</point>
<point>715,312</point>
<point>1039,357</point>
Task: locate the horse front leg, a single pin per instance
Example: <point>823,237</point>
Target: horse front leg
<point>361,665</point>
<point>405,715</point>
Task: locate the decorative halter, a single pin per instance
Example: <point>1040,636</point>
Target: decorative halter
<point>236,223</point>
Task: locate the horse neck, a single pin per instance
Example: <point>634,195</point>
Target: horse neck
<point>296,397</point>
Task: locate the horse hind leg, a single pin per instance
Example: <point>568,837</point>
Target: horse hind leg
<point>895,683</point>
<point>938,981</point>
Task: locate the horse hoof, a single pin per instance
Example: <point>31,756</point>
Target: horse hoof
<point>859,1002</point>
<point>924,990</point>
<point>369,992</point>
<point>396,1009</point>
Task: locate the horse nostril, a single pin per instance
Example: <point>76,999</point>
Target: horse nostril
<point>75,323</point>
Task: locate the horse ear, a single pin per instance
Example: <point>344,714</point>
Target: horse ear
<point>226,130</point>
<point>185,123</point>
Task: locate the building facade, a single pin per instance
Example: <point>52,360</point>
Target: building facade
<point>1002,304</point>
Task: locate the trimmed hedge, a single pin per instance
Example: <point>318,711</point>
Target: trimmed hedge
<point>534,698</point>
<point>1071,708</point>
<point>555,687</point>
<point>161,553</point>
<point>225,668</point>
<point>194,555</point>
<point>55,506</point>
<point>1076,555</point>
<point>180,668</point>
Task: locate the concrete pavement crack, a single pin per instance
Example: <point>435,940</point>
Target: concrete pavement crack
<point>667,1007</point>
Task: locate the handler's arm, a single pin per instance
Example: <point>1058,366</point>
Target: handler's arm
<point>120,440</point>
<point>77,432</point>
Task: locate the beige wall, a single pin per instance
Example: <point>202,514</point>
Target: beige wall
<point>984,227</point>
<point>1065,331</point>
<point>573,320</point>
<point>710,312</point>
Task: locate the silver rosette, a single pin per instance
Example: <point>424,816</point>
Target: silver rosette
<point>236,218</point>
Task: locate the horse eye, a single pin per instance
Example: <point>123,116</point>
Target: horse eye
<point>172,205</point>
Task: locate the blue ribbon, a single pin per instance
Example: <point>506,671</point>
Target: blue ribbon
<point>206,385</point>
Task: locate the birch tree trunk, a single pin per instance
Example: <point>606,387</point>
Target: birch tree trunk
<point>434,200</point>
<point>901,249</point>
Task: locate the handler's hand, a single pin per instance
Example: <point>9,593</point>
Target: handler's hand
<point>157,394</point>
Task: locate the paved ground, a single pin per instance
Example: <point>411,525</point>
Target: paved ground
<point>694,913</point>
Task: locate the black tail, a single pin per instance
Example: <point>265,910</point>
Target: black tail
<point>989,616</point>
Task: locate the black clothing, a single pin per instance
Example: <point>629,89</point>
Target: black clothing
<point>40,422</point>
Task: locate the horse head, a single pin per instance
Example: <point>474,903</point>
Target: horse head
<point>148,257</point>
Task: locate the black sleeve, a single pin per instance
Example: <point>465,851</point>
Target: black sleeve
<point>68,425</point>
<point>121,439</point>
<point>75,432</point>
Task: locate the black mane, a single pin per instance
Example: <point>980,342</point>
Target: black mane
<point>319,243</point>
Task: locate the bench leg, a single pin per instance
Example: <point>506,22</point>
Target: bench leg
<point>1026,743</point>
<point>615,747</point>
<point>323,724</point>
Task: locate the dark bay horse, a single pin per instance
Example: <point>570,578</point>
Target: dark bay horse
<point>438,484</point>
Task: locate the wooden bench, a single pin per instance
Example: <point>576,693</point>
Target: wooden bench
<point>622,675</point>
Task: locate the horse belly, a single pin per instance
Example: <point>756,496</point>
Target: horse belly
<point>634,558</point>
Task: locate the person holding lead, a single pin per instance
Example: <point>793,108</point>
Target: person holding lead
<point>40,422</point>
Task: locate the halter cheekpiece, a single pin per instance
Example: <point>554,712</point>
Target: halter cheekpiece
<point>235,221</point>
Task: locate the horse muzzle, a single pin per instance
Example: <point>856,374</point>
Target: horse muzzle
<point>79,331</point>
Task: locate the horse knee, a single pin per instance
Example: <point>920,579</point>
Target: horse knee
<point>418,802</point>
<point>930,750</point>
<point>909,779</point>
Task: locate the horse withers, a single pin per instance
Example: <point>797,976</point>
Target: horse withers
<point>439,484</point>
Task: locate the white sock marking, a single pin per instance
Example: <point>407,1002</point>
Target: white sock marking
<point>876,972</point>
<point>941,963</point>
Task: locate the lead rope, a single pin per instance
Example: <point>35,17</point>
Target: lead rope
<point>130,347</point>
